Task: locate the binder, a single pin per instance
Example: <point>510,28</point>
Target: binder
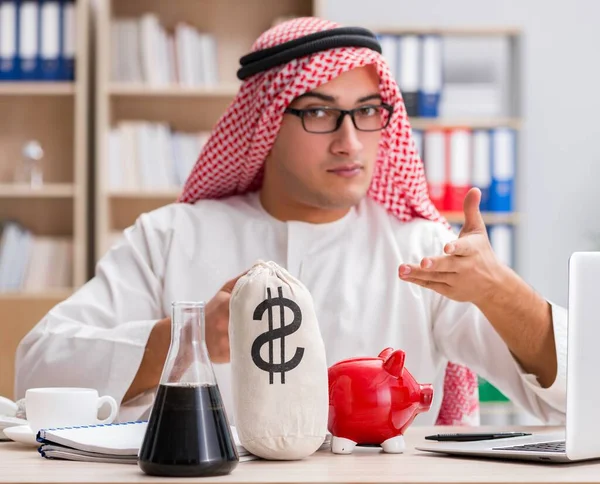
<point>417,136</point>
<point>208,56</point>
<point>29,40</point>
<point>503,168</point>
<point>67,40</point>
<point>459,168</point>
<point>150,33</point>
<point>9,254</point>
<point>482,166</point>
<point>501,239</point>
<point>408,72</point>
<point>50,40</point>
<point>435,166</point>
<point>431,76</point>
<point>8,40</point>
<point>389,51</point>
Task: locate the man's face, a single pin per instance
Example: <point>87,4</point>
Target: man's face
<point>330,171</point>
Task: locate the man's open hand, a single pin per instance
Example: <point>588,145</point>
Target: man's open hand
<point>470,270</point>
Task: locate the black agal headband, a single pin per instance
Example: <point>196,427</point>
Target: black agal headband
<point>265,59</point>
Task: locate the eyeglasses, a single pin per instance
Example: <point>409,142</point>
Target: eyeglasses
<point>327,120</point>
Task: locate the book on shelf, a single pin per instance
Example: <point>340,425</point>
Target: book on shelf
<point>143,51</point>
<point>37,40</point>
<point>502,240</point>
<point>456,159</point>
<point>147,155</point>
<point>33,263</point>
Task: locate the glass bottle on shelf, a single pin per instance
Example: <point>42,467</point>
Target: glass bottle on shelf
<point>188,433</point>
<point>29,171</point>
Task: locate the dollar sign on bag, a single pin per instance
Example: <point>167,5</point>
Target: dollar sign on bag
<point>276,333</point>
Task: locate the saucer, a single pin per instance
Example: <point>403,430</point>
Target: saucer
<point>22,434</point>
<point>6,421</point>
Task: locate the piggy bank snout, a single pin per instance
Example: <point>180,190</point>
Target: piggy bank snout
<point>426,397</point>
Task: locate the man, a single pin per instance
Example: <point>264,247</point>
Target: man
<point>313,167</point>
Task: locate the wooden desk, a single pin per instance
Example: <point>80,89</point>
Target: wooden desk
<point>20,464</point>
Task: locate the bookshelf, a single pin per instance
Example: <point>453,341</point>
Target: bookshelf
<point>56,114</point>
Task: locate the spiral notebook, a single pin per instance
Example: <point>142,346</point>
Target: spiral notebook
<point>114,443</point>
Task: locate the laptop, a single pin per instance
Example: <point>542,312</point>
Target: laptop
<point>580,440</point>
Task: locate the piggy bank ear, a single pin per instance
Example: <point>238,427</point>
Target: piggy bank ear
<point>395,363</point>
<point>385,353</point>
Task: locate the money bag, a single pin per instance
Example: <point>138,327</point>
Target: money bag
<point>278,365</point>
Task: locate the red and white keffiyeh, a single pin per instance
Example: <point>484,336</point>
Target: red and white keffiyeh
<point>232,160</point>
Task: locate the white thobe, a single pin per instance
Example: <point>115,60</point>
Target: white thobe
<point>96,338</point>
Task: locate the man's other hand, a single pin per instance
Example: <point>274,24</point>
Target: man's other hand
<point>217,323</point>
<point>470,271</point>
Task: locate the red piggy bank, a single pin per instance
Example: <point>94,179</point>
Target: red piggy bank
<point>372,401</point>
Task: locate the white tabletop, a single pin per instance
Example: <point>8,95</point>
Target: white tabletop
<point>20,464</point>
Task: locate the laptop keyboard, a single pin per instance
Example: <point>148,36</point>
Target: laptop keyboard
<point>558,446</point>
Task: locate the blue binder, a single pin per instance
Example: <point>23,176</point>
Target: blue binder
<point>482,166</point>
<point>29,40</point>
<point>50,40</point>
<point>67,40</point>
<point>431,76</point>
<point>9,35</point>
<point>503,168</point>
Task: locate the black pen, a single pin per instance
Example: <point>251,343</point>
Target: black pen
<point>470,437</point>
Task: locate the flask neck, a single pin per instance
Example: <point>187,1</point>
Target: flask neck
<point>187,361</point>
<point>187,324</point>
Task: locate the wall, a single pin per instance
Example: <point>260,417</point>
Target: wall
<point>559,169</point>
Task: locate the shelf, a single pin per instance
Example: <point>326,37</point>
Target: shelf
<point>43,216</point>
<point>145,194</point>
<point>450,31</point>
<point>188,114</point>
<point>53,190</point>
<point>51,295</point>
<point>37,88</point>
<point>481,123</point>
<point>154,199</point>
<point>124,207</point>
<point>489,218</point>
<point>227,90</point>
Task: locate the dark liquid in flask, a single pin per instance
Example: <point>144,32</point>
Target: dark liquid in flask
<point>188,434</point>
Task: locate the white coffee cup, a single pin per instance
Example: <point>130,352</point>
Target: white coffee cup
<point>66,407</point>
